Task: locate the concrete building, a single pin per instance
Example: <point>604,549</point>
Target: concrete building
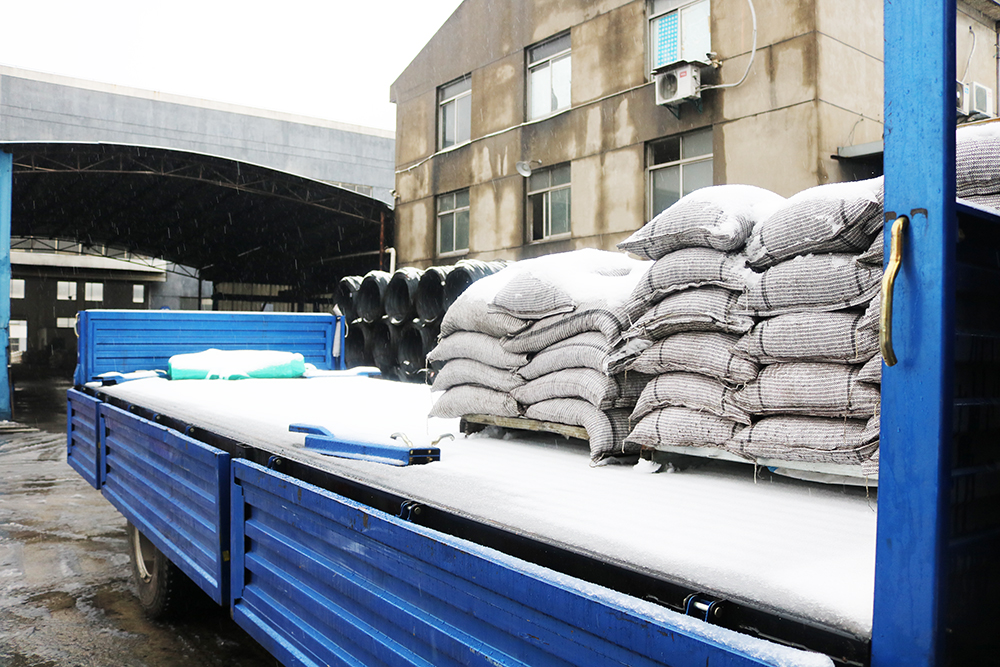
<point>594,99</point>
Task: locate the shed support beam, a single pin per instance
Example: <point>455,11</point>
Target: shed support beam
<point>6,192</point>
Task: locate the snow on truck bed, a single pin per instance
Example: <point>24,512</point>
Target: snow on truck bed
<point>795,547</point>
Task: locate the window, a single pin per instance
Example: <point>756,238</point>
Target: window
<point>455,112</point>
<point>65,291</point>
<point>679,30</point>
<point>453,222</point>
<point>65,322</point>
<point>548,203</point>
<point>138,294</point>
<point>17,288</point>
<point>549,77</point>
<point>678,166</point>
<point>93,291</point>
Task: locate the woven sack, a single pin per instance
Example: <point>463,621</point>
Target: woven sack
<point>871,372</point>
<point>688,390</point>
<point>529,297</point>
<point>681,427</point>
<point>872,427</point>
<point>698,309</point>
<point>837,337</point>
<point>686,268</point>
<point>551,360</point>
<point>468,371</point>
<point>812,439</point>
<point>812,282</point>
<point>876,251</point>
<point>606,430</point>
<point>477,346</point>
<point>985,201</point>
<point>837,217</point>
<point>813,389</point>
<point>977,160</point>
<point>703,352</point>
<point>551,330</point>
<point>467,399</point>
<point>630,388</point>
<point>586,383</point>
<point>870,467</point>
<point>719,217</point>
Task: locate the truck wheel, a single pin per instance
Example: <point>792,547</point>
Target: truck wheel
<point>161,586</point>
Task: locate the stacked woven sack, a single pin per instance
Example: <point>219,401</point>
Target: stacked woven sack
<point>977,164</point>
<point>759,320</point>
<point>684,319</point>
<point>816,398</point>
<point>533,341</point>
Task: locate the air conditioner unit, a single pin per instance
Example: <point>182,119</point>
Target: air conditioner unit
<point>981,101</point>
<point>962,98</point>
<point>678,83</point>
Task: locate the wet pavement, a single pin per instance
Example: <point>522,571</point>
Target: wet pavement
<point>66,597</point>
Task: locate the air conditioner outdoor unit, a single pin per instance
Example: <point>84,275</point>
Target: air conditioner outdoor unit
<point>678,83</point>
<point>962,97</point>
<point>981,101</point>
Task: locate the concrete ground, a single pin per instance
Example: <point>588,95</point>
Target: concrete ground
<point>66,597</point>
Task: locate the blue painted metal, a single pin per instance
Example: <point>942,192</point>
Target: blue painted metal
<point>6,194</point>
<point>131,340</point>
<point>917,392</point>
<point>83,442</point>
<point>320,580</point>
<point>323,441</point>
<point>175,490</point>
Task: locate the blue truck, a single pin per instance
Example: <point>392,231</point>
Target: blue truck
<point>325,567</point>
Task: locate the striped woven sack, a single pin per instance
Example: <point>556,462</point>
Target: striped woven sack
<point>836,217</point>
<point>812,439</point>
<point>606,430</point>
<point>467,399</point>
<point>703,352</point>
<point>477,346</point>
<point>688,390</point>
<point>837,337</point>
<point>697,309</point>
<point>813,389</point>
<point>682,427</point>
<point>468,371</point>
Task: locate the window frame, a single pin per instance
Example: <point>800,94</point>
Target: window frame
<point>674,7</point>
<point>453,100</point>
<point>547,61</point>
<point>681,162</point>
<point>546,194</point>
<point>453,211</point>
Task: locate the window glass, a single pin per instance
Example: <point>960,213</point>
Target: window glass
<point>668,150</point>
<point>666,188</point>
<point>697,144</point>
<point>560,212</point>
<point>463,119</point>
<point>548,205</point>
<point>696,30</point>
<point>65,291</point>
<point>550,48</point>
<point>455,113</point>
<point>453,222</point>
<point>65,322</point>
<point>560,175</point>
<point>138,293</point>
<point>678,31</point>
<point>454,89</point>
<point>541,87</point>
<point>677,167</point>
<point>697,175</point>
<point>93,291</point>
<point>549,77</point>
<point>17,288</point>
<point>561,75</point>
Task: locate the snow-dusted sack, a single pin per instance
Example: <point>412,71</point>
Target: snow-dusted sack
<point>592,386</point>
<point>586,350</point>
<point>814,439</point>
<point>813,389</point>
<point>839,337</point>
<point>681,427</point>
<point>469,371</point>
<point>606,429</point>
<point>696,309</point>
<point>977,160</point>
<point>477,346</point>
<point>875,254</point>
<point>812,282</point>
<point>703,352</point>
<point>467,399</point>
<point>719,217</point>
<point>688,390</point>
<point>686,268</point>
<point>837,217</point>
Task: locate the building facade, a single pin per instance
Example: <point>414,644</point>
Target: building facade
<point>527,127</point>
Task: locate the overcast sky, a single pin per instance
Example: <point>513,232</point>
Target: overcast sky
<point>330,59</point>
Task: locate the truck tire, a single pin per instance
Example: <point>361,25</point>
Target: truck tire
<point>161,586</point>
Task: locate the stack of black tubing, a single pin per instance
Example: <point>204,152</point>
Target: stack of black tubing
<point>395,317</point>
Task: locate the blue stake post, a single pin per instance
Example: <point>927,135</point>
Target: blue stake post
<point>6,193</point>
<point>917,392</point>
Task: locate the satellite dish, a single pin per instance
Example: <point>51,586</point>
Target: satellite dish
<point>523,168</point>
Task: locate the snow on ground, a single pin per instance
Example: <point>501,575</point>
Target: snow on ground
<point>800,548</point>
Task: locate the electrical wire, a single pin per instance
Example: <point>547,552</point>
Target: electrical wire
<point>753,53</point>
<point>969,61</point>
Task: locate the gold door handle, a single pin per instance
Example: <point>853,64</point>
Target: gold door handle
<point>888,280</point>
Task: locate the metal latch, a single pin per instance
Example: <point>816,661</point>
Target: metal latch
<point>703,607</point>
<point>321,440</point>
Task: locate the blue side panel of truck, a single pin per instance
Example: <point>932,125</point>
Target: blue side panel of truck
<point>175,490</point>
<point>83,440</point>
<point>321,580</point>
<point>131,340</point>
